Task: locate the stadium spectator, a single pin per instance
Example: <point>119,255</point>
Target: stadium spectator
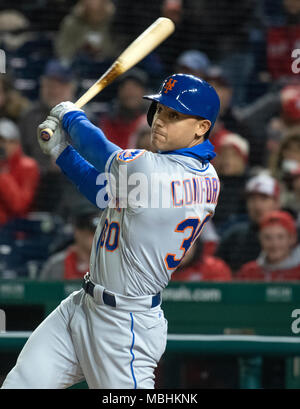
<point>290,198</point>
<point>227,119</point>
<point>226,40</point>
<point>179,12</point>
<point>288,118</point>
<point>240,243</point>
<point>193,62</point>
<point>127,110</point>
<point>12,103</point>
<point>281,41</point>
<point>210,239</point>
<point>87,31</point>
<point>267,119</point>
<point>131,18</point>
<point>46,15</point>
<point>56,85</point>
<point>287,157</point>
<point>73,262</point>
<point>280,256</point>
<point>231,165</point>
<point>217,78</point>
<point>19,174</point>
<point>55,193</point>
<point>232,155</point>
<point>15,30</point>
<point>285,166</point>
<point>195,266</point>
<point>290,100</point>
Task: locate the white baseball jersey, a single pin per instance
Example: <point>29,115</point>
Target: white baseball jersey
<point>166,202</point>
<point>137,246</point>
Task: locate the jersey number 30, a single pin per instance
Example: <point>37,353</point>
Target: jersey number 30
<point>196,227</point>
<point>109,236</point>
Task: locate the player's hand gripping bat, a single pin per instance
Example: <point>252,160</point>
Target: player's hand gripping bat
<point>134,53</point>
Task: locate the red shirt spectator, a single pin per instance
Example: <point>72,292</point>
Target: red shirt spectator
<point>208,269</point>
<point>254,271</point>
<point>231,165</point>
<point>281,41</point>
<point>127,111</point>
<point>196,267</point>
<point>19,174</point>
<point>280,257</point>
<point>240,242</point>
<point>119,130</point>
<point>218,133</point>
<point>75,267</point>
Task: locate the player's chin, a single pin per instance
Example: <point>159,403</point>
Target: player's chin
<point>157,142</point>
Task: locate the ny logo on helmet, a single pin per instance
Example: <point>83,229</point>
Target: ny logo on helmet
<point>169,85</point>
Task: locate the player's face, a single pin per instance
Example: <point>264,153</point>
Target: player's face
<point>172,130</point>
<point>276,242</point>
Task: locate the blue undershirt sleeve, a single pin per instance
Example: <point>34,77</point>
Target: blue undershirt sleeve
<point>84,176</point>
<point>88,139</point>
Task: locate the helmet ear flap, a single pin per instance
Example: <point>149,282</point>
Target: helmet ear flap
<point>151,112</point>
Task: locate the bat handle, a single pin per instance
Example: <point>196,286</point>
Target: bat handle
<point>45,134</point>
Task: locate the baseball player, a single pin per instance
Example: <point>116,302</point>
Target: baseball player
<point>112,332</point>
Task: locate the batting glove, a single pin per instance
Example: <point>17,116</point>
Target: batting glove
<point>57,142</point>
<point>61,109</point>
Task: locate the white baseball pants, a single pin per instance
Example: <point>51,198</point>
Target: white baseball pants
<point>83,339</point>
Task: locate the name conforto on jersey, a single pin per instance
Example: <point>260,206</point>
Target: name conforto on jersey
<point>156,190</point>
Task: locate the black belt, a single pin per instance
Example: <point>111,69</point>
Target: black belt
<point>110,299</point>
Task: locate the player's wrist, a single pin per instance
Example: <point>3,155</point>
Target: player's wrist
<point>58,149</point>
<point>63,108</point>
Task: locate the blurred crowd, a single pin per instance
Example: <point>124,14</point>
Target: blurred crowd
<point>55,50</point>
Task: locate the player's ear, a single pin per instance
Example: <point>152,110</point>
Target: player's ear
<point>202,127</point>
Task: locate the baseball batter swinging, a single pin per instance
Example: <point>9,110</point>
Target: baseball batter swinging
<point>112,332</point>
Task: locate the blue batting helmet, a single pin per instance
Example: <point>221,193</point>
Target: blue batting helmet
<point>188,95</point>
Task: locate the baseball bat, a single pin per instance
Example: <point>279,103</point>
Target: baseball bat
<point>143,45</point>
